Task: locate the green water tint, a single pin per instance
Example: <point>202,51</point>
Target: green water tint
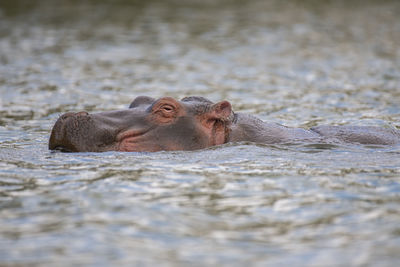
<point>297,63</point>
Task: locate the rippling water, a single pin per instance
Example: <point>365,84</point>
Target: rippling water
<point>299,63</point>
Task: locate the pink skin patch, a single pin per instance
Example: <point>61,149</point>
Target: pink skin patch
<point>135,140</point>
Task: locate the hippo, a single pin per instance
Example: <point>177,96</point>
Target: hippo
<point>193,123</point>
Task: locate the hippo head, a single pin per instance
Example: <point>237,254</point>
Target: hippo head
<point>148,125</point>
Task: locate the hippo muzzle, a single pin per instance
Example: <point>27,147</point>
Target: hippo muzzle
<point>76,132</point>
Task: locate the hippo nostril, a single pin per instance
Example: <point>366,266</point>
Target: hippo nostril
<point>82,113</point>
<point>73,114</point>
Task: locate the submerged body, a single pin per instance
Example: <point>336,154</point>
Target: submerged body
<point>190,124</point>
<point>250,128</point>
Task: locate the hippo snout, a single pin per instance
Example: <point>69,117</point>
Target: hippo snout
<point>60,138</point>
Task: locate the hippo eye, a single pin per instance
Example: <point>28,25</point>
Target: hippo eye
<point>167,108</point>
<point>167,111</point>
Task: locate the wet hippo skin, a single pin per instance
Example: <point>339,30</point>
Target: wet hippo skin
<point>192,123</point>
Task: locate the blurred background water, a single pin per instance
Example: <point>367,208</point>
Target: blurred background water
<point>299,63</point>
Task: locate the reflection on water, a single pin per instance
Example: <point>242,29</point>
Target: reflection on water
<point>300,63</point>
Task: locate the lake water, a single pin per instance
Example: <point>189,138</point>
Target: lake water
<point>299,63</point>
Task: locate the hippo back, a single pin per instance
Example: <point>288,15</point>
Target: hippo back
<point>360,134</point>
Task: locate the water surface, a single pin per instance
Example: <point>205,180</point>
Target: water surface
<point>299,63</point>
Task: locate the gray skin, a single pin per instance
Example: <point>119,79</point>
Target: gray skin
<point>190,124</point>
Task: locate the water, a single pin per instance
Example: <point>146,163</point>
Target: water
<point>299,63</point>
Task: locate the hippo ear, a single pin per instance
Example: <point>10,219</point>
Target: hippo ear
<point>216,122</point>
<point>221,111</point>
